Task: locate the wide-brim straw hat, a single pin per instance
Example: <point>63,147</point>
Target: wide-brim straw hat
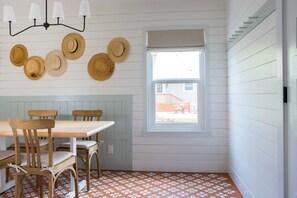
<point>101,67</point>
<point>73,46</point>
<point>118,49</point>
<point>55,63</point>
<point>34,67</point>
<point>18,55</point>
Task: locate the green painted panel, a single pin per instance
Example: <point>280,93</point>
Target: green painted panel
<point>117,108</point>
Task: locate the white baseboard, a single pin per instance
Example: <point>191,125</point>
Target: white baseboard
<point>246,193</point>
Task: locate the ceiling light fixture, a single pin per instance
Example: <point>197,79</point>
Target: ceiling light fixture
<point>58,14</point>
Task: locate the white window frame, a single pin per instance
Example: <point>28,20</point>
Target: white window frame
<point>201,126</point>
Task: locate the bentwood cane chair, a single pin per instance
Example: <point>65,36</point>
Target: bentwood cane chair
<point>86,147</point>
<point>34,162</point>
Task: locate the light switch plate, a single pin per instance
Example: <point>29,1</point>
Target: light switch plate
<point>110,149</point>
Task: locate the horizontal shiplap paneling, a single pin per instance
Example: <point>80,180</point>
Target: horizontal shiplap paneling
<point>130,19</point>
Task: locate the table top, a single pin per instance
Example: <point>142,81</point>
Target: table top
<point>65,128</point>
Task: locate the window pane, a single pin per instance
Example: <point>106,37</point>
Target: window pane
<point>176,65</point>
<point>175,105</point>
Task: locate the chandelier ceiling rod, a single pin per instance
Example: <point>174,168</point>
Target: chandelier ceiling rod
<point>83,12</point>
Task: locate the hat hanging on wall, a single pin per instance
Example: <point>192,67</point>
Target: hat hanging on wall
<point>73,46</point>
<point>118,49</point>
<point>18,55</point>
<point>55,63</point>
<point>34,67</point>
<point>101,67</point>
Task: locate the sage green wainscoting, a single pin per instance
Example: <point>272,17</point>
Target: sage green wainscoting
<point>115,107</point>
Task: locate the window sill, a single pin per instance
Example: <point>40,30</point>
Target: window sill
<point>176,131</point>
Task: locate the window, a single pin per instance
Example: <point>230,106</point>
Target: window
<point>159,88</point>
<point>189,87</point>
<point>175,83</point>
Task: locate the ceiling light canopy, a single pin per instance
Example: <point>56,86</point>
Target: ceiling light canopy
<point>35,15</point>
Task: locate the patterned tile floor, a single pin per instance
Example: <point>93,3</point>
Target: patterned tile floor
<point>116,184</point>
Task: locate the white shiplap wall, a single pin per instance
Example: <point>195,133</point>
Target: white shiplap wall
<point>129,18</point>
<point>254,81</point>
<point>238,11</point>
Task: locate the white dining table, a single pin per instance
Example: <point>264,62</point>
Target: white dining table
<point>63,129</point>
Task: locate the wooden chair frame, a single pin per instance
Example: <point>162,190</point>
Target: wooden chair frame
<point>40,115</point>
<point>85,154</point>
<point>33,163</point>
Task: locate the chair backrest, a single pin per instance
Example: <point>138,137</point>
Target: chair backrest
<point>42,114</point>
<point>88,115</point>
<point>28,129</point>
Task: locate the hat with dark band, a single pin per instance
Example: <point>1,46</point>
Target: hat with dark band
<point>101,67</point>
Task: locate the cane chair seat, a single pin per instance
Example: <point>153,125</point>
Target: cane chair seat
<point>58,157</point>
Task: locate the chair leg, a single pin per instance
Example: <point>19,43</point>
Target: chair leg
<point>41,184</point>
<point>76,180</point>
<point>17,192</point>
<point>7,174</point>
<point>56,183</point>
<point>88,170</point>
<point>50,187</point>
<point>98,163</point>
<point>37,181</point>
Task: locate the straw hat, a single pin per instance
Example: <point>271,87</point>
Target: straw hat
<point>73,46</point>
<point>55,63</point>
<point>18,55</point>
<point>100,67</point>
<point>118,49</point>
<point>34,67</point>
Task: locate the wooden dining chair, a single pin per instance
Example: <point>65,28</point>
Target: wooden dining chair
<point>40,115</point>
<point>86,147</point>
<point>33,161</point>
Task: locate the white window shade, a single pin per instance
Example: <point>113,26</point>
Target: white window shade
<point>175,38</point>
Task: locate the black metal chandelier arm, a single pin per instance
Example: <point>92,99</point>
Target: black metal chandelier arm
<point>58,23</point>
<point>23,29</point>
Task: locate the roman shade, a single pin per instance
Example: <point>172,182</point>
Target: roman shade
<point>175,38</point>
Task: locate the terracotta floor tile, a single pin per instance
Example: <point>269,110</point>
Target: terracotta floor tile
<point>116,184</point>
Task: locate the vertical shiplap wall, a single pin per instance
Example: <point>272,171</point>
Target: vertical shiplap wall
<point>116,108</point>
<point>130,18</point>
<point>255,124</point>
